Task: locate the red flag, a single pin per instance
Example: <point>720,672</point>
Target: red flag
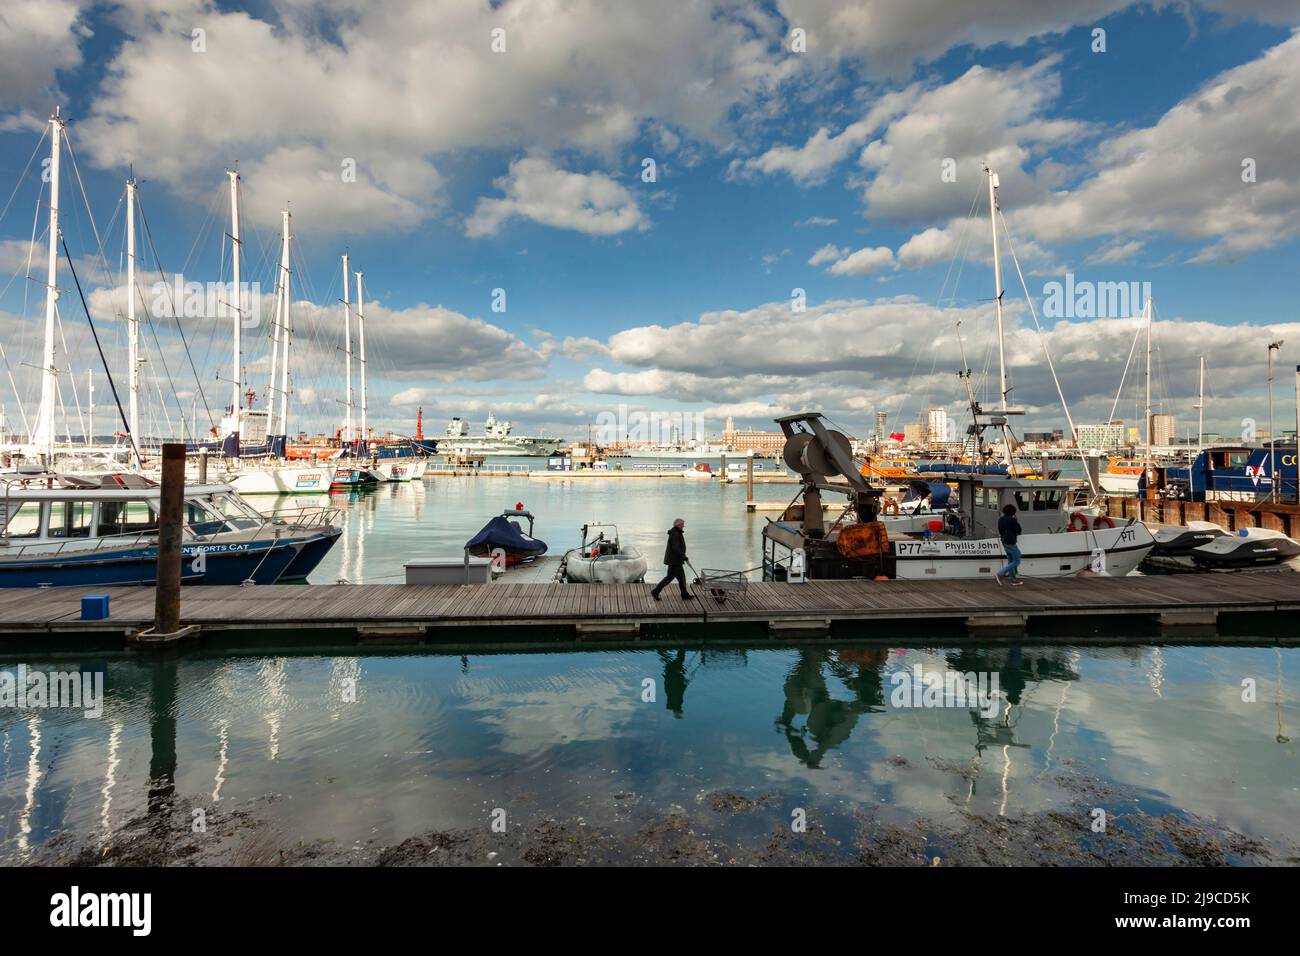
<point>897,436</point>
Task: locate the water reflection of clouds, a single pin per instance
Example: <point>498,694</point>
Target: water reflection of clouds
<point>531,722</point>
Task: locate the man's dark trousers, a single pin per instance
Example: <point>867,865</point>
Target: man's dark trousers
<point>676,572</point>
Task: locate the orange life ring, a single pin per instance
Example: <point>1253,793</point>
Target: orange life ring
<point>1098,521</point>
<point>1078,521</point>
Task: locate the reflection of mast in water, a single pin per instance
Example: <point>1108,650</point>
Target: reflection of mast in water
<point>273,677</point>
<point>110,778</point>
<point>223,758</point>
<point>229,691</point>
<point>347,545</point>
<point>1056,715</point>
<point>358,573</point>
<point>1282,738</point>
<point>33,779</point>
<point>1001,733</point>
<point>1156,673</point>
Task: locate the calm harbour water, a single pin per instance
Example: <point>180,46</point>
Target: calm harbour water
<point>438,741</point>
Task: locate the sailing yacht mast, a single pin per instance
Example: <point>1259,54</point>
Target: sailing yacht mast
<point>1004,409</point>
<point>42,436</point>
<point>236,246</point>
<point>275,348</point>
<point>132,323</point>
<point>361,334</point>
<point>1147,316</point>
<point>1200,406</point>
<point>347,344</point>
<point>286,278</point>
<point>997,287</point>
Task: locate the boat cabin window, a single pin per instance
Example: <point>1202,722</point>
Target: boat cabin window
<point>200,519</point>
<point>237,513</point>
<point>24,520</point>
<point>126,517</point>
<point>1230,459</point>
<point>70,519</point>
<point>1048,499</point>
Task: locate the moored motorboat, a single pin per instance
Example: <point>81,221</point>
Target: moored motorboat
<point>1173,549</point>
<point>60,530</point>
<point>1249,549</point>
<point>602,558</point>
<point>505,541</point>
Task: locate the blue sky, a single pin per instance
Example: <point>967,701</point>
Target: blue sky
<point>521,170</point>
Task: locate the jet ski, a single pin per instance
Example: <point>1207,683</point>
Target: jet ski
<point>1172,553</point>
<point>505,533</point>
<point>1249,549</point>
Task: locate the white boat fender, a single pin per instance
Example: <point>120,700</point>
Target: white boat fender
<point>798,567</point>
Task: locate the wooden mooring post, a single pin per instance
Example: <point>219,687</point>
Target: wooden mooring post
<point>167,627</point>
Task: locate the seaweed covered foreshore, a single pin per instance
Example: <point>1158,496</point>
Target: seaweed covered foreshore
<point>725,828</point>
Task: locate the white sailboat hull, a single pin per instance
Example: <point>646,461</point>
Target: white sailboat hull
<point>283,480</point>
<point>400,469</point>
<point>1059,554</point>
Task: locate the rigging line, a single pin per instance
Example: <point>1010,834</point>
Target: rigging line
<point>4,355</point>
<point>126,426</point>
<point>31,249</point>
<point>960,262</point>
<point>1132,348</point>
<point>162,354</point>
<point>58,395</point>
<point>23,175</point>
<point>14,385</point>
<point>1042,339</point>
<point>99,244</point>
<point>148,233</point>
<point>76,398</point>
<point>939,299</point>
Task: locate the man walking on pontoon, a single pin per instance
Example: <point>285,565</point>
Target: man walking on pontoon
<point>675,559</point>
<point>1009,532</point>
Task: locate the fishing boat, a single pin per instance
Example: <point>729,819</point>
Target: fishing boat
<point>1058,537</point>
<point>602,558</point>
<point>504,535</point>
<point>1056,540</point>
<point>62,531</point>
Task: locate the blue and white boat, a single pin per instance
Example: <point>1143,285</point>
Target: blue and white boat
<point>63,531</point>
<point>1228,473</point>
